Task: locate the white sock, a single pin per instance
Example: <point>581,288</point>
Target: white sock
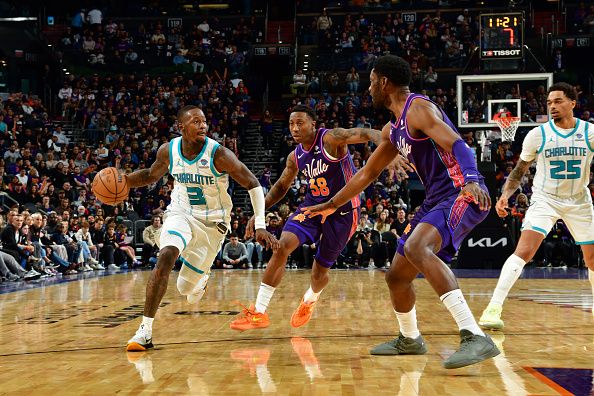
<point>511,271</point>
<point>311,296</point>
<point>408,323</point>
<point>264,295</point>
<point>147,323</point>
<point>456,304</point>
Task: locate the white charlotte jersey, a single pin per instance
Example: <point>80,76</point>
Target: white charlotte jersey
<point>199,189</point>
<point>562,157</point>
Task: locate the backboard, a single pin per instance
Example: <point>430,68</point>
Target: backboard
<point>480,97</point>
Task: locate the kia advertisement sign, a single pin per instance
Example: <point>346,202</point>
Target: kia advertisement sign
<point>487,246</point>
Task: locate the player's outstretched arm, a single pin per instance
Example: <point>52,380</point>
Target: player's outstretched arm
<point>338,136</point>
<point>158,169</point>
<point>379,159</point>
<point>227,161</point>
<point>285,181</point>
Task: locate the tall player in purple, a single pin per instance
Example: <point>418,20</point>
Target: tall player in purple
<point>456,201</point>
<point>323,157</point>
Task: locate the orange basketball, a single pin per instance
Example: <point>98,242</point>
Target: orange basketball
<point>110,187</point>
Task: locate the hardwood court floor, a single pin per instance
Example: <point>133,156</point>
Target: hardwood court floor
<point>69,339</point>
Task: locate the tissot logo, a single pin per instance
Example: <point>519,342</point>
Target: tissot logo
<point>487,242</point>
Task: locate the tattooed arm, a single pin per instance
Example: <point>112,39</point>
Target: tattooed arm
<point>338,136</point>
<point>511,185</point>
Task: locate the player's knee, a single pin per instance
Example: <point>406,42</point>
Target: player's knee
<point>393,278</point>
<point>167,257</point>
<point>415,251</point>
<point>284,249</point>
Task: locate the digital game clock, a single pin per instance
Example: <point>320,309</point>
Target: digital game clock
<point>502,36</point>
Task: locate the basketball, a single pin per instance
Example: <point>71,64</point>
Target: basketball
<point>110,187</point>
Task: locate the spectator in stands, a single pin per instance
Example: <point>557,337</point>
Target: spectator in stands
<point>235,253</point>
<point>149,237</point>
<point>299,82</point>
<point>12,271</point>
<point>521,206</point>
<point>109,247</point>
<point>124,246</point>
<point>400,224</point>
<point>89,250</point>
<point>352,81</point>
<point>323,25</point>
<point>11,239</point>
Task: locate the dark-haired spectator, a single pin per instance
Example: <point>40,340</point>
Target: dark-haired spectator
<point>234,253</point>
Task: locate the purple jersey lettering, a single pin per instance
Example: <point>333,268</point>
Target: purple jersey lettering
<point>325,175</point>
<point>438,170</point>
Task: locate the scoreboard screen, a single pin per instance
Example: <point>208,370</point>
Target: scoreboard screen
<point>502,36</point>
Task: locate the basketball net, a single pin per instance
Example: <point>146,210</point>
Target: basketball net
<point>508,125</point>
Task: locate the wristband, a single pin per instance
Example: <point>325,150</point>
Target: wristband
<point>466,160</point>
<point>258,203</point>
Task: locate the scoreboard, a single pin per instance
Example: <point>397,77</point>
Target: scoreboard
<point>502,36</point>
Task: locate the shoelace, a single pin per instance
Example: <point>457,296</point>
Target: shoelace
<point>245,311</point>
<point>465,342</point>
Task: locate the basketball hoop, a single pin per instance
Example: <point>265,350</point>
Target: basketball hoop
<point>508,126</point>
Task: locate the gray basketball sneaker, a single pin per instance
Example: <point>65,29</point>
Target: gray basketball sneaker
<point>401,346</point>
<point>473,349</point>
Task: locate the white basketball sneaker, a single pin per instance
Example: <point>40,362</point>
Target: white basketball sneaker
<point>199,290</point>
<point>141,341</point>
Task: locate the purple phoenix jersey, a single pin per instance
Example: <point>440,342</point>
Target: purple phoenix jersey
<point>325,177</point>
<point>438,170</point>
<point>454,216</point>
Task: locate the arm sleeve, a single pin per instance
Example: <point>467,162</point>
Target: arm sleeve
<point>258,203</point>
<point>533,144</point>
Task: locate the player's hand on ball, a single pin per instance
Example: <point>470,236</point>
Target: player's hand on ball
<point>477,195</point>
<point>266,239</point>
<point>249,228</point>
<point>501,207</point>
<point>324,209</point>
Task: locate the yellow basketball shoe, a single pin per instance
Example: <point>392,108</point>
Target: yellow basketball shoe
<point>491,317</point>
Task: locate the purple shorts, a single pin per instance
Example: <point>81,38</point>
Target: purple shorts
<point>333,235</point>
<point>454,218</point>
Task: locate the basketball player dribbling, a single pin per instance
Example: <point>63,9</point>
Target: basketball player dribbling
<point>456,201</point>
<point>197,219</point>
<point>563,150</point>
<point>323,157</point>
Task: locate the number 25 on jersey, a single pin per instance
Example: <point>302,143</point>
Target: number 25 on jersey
<point>570,169</point>
<point>319,187</point>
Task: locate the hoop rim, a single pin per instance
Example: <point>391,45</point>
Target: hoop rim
<point>507,120</point>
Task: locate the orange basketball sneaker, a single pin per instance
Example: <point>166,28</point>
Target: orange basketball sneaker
<point>250,319</point>
<point>302,314</point>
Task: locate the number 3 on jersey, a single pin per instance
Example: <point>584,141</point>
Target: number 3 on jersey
<point>571,167</point>
<point>319,187</point>
<point>196,196</point>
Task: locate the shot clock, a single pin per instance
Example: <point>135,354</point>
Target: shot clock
<point>502,36</point>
